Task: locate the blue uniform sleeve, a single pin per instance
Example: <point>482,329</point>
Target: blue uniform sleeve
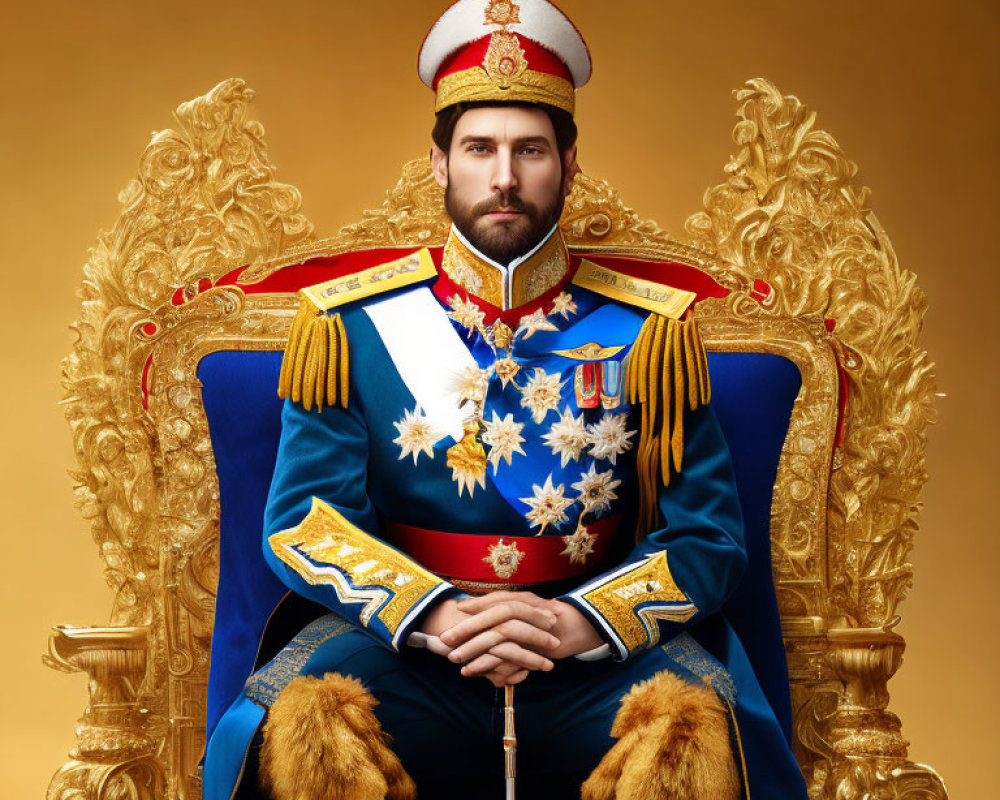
<point>686,569</point>
<point>319,523</point>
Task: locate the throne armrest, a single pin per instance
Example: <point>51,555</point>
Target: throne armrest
<point>114,754</point>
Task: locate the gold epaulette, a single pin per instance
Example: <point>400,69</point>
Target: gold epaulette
<point>316,366</point>
<point>667,370</point>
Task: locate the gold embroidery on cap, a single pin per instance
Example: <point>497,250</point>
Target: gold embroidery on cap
<point>502,13</point>
<point>505,61</point>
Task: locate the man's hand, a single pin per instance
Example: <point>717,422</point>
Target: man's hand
<point>512,661</point>
<point>499,629</point>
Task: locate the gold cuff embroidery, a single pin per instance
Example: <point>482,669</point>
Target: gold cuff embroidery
<point>651,585</point>
<point>326,549</point>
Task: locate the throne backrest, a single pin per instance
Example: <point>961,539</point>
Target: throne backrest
<point>820,385</point>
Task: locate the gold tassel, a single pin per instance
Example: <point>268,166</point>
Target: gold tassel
<point>314,371</point>
<point>667,370</point>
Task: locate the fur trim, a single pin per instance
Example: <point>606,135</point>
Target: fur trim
<point>322,742</point>
<point>541,21</point>
<point>673,744</point>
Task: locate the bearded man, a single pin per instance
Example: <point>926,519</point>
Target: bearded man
<point>499,466</point>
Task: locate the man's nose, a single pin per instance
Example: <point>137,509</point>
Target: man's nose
<point>504,175</point>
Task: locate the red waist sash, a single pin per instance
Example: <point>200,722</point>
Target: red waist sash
<point>516,560</point>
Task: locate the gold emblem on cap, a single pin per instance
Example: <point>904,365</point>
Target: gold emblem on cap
<point>502,13</point>
<point>504,558</point>
<point>505,61</point>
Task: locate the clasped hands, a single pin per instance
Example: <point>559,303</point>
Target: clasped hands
<point>505,635</point>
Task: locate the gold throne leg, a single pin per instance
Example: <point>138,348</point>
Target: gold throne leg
<point>865,748</point>
<point>114,756</point>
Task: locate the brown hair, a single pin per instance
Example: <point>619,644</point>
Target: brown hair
<point>447,118</point>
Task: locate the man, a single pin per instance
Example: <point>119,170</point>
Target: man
<point>499,466</point>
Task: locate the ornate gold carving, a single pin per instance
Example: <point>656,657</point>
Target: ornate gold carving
<point>791,213</point>
<point>206,202</point>
<point>115,755</point>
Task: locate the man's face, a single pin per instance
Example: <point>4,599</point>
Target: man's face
<point>505,180</point>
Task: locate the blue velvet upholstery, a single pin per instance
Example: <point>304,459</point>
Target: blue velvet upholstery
<point>752,394</point>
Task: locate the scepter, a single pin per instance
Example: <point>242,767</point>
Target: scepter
<point>509,739</point>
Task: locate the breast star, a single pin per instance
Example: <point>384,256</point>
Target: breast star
<point>541,394</point>
<point>470,385</point>
<point>504,558</point>
<point>579,545</point>
<point>563,304</point>
<point>597,489</point>
<point>504,438</point>
<point>608,438</point>
<point>501,334</point>
<point>533,322</point>
<point>416,435</point>
<point>567,437</point>
<point>548,505</point>
<point>506,369</point>
<point>466,313</point>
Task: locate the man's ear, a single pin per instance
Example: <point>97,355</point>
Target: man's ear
<point>439,165</point>
<point>570,170</point>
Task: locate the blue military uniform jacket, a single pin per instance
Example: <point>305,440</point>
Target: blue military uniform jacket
<point>454,427</point>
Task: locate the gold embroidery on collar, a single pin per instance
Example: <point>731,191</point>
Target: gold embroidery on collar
<point>531,279</point>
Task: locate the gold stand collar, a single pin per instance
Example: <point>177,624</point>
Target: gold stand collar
<point>523,280</point>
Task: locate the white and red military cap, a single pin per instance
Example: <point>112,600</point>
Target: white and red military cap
<point>499,50</point>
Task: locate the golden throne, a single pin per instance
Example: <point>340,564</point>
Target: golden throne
<point>814,280</point>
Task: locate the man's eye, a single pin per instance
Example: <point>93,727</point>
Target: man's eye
<point>531,150</point>
<point>477,148</point>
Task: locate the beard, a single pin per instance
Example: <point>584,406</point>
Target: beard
<point>503,240</point>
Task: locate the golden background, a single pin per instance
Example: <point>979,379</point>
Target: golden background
<point>907,88</point>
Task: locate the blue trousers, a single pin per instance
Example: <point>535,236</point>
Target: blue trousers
<point>447,729</point>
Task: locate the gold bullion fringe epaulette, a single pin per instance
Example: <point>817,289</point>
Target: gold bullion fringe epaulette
<point>667,370</point>
<point>316,367</point>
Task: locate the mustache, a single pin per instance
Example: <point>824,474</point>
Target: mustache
<point>503,201</point>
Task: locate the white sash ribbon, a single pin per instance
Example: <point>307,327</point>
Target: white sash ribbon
<point>428,354</point>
